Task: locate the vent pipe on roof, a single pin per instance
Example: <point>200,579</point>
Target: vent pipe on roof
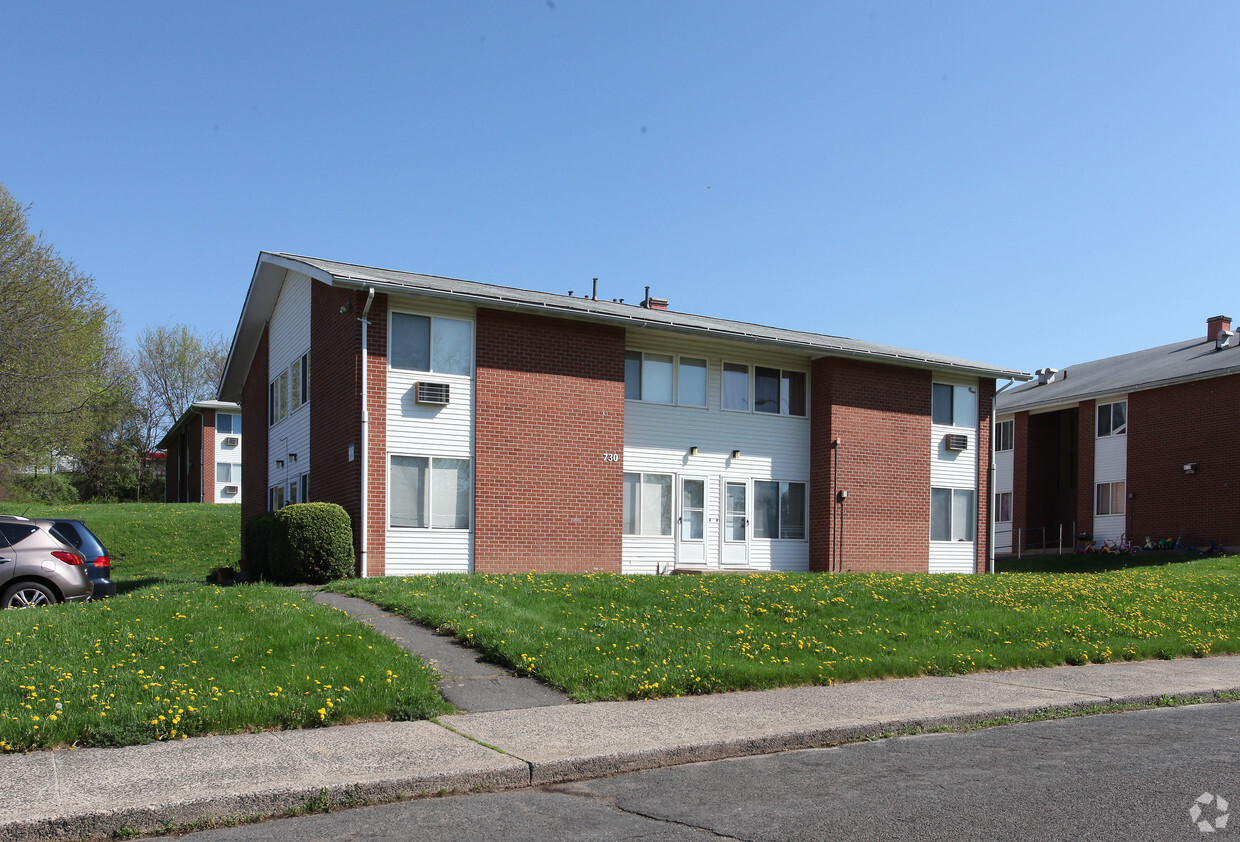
<point>1047,375</point>
<point>594,295</point>
<point>1226,339</point>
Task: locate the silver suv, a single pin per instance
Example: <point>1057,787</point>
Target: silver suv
<point>38,565</point>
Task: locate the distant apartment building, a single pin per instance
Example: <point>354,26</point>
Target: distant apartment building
<point>203,448</point>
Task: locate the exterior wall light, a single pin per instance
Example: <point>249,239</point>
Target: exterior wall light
<point>279,463</point>
<point>736,454</point>
<point>693,450</point>
<point>1190,467</point>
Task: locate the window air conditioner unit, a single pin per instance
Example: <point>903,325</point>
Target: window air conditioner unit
<point>231,441</point>
<point>432,393</point>
<point>230,490</point>
<point>956,441</point>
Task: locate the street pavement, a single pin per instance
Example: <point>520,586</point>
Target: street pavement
<point>72,794</point>
<point>1166,773</point>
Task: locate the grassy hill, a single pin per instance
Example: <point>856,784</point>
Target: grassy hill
<point>152,542</point>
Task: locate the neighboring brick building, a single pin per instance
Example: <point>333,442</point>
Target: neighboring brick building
<point>203,455</point>
<point>509,430</point>
<point>1139,444</point>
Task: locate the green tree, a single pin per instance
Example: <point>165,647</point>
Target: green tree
<point>57,336</point>
<point>177,366</point>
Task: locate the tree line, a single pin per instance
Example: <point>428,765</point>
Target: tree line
<point>80,413</point>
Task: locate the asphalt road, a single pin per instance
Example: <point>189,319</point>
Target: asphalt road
<point>1127,776</point>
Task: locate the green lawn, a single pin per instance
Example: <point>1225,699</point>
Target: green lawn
<point>603,636</point>
<point>171,657</point>
<point>154,542</point>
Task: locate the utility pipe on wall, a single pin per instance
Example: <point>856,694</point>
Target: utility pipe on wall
<point>370,297</point>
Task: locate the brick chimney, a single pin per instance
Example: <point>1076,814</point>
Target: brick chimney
<point>656,303</point>
<point>1214,324</point>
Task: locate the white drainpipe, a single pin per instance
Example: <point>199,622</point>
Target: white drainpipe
<point>370,297</point>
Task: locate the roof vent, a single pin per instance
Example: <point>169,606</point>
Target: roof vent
<point>1047,375</point>
<point>1225,339</point>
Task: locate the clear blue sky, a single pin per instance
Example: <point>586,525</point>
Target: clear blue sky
<point>1022,184</point>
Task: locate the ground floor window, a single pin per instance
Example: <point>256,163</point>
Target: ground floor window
<point>227,472</point>
<point>275,498</point>
<point>647,504</point>
<point>779,509</point>
<point>1110,498</point>
<point>426,491</point>
<point>951,514</point>
<point>1003,507</point>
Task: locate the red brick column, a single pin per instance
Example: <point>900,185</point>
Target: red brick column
<point>985,458</point>
<point>208,456</point>
<point>549,410</point>
<point>1086,424</point>
<point>254,438</point>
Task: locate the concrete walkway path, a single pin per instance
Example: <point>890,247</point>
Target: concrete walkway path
<point>97,792</point>
<point>471,684</point>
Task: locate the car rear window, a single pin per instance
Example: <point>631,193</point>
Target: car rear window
<point>16,532</point>
<point>68,533</point>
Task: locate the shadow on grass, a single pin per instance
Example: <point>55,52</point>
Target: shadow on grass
<point>130,585</point>
<point>1090,562</point>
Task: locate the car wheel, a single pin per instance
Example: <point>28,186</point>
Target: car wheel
<point>27,595</point>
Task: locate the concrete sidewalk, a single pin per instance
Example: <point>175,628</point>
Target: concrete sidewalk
<point>95,792</point>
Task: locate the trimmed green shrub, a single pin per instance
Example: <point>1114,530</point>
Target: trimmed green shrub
<point>317,544</point>
<point>259,541</point>
<point>310,543</point>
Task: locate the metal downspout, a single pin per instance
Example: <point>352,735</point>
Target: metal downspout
<point>370,297</point>
<point>994,427</point>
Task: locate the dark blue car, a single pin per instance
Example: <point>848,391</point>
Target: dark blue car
<point>98,561</point>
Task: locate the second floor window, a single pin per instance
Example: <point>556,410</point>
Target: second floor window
<point>1112,419</point>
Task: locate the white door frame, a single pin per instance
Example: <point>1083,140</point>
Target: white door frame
<point>734,553</point>
<point>690,551</point>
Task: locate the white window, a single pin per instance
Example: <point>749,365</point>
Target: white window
<point>955,406</point>
<point>736,387</point>
<point>429,492</point>
<point>1004,432</point>
<point>951,514</point>
<point>1112,419</point>
<point>1109,498</point>
<point>779,509</point>
<point>305,488</point>
<point>661,378</point>
<point>227,472</point>
<point>275,498</point>
<point>691,382</point>
<point>778,392</point>
<point>292,492</point>
<point>227,424</point>
<point>1003,507</point>
<point>431,343</point>
<point>294,398</point>
<point>304,380</point>
<point>647,504</point>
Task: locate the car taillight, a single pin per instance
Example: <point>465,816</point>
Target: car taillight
<point>68,558</point>
<point>103,561</point>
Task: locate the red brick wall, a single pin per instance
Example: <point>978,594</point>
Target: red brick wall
<point>335,403</point>
<point>881,414</point>
<point>376,401</point>
<point>1167,428</point>
<point>985,457</point>
<point>1020,473</point>
<point>549,403</point>
<point>172,471</point>
<point>1087,421</point>
<point>193,479</point>
<point>254,437</point>
<point>822,453</point>
<point>208,456</point>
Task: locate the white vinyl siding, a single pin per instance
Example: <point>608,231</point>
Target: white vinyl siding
<point>773,448</point>
<point>228,455</point>
<point>1110,466</point>
<point>288,340</point>
<point>433,432</point>
<point>954,472</point>
<point>1004,470</point>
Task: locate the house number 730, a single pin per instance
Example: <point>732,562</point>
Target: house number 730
<point>611,457</point>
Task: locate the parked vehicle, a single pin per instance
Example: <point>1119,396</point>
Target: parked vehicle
<point>38,565</point>
<point>98,559</point>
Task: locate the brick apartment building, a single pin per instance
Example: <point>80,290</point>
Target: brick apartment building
<point>500,429</point>
<point>203,454</point>
<point>1141,444</point>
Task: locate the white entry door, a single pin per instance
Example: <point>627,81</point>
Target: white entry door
<point>736,523</point>
<point>691,522</point>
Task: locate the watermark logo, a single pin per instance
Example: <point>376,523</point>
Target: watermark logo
<point>1209,812</point>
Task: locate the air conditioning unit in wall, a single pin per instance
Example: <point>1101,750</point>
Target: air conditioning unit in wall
<point>231,441</point>
<point>230,490</point>
<point>432,393</point>
<point>956,441</point>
